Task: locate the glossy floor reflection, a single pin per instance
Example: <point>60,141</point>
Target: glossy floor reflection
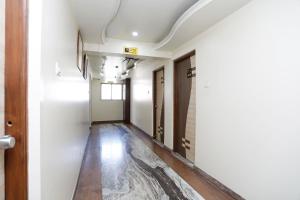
<point>130,170</point>
<point>123,163</point>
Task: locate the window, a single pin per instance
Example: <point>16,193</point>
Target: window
<point>111,91</point>
<point>106,91</point>
<point>124,92</point>
<point>116,91</point>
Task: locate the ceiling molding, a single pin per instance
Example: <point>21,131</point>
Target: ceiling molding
<point>197,19</point>
<point>181,20</point>
<point>115,13</point>
<point>114,47</point>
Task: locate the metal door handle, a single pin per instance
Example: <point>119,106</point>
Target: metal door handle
<point>7,142</point>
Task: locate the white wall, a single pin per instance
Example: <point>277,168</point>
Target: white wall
<point>64,103</point>
<point>248,98</point>
<point>142,100</point>
<point>34,93</point>
<point>104,110</point>
<point>247,101</point>
<point>2,41</point>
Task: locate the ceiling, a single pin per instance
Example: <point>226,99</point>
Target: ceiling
<point>92,17</point>
<point>166,24</point>
<point>119,18</point>
<point>197,19</point>
<point>96,63</point>
<point>110,68</point>
<point>151,19</point>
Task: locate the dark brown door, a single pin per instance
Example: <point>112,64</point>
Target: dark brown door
<point>158,105</point>
<point>16,98</point>
<point>184,106</point>
<point>126,104</point>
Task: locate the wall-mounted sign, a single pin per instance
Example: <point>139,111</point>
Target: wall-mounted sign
<point>131,50</point>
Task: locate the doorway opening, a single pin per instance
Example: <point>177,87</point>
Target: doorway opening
<point>126,103</point>
<point>158,105</point>
<point>185,106</point>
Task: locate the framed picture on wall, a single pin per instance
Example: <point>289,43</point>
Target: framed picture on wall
<point>85,66</point>
<point>79,52</point>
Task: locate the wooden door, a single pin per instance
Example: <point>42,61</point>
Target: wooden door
<point>185,106</point>
<point>2,39</point>
<point>126,98</point>
<point>158,104</point>
<point>16,98</point>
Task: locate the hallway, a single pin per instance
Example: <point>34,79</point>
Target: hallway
<point>149,100</point>
<point>123,163</point>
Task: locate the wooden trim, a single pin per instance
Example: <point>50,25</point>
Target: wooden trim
<point>189,54</point>
<point>89,180</point>
<point>151,138</point>
<point>154,98</point>
<point>153,102</point>
<point>160,68</point>
<point>175,103</point>
<point>140,130</point>
<point>82,165</point>
<point>200,172</point>
<point>107,122</point>
<point>127,100</point>
<point>218,184</point>
<point>16,31</point>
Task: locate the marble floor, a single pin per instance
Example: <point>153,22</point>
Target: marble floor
<point>130,170</point>
<point>121,163</point>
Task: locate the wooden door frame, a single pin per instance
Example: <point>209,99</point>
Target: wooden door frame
<point>16,39</point>
<point>127,101</point>
<point>154,99</point>
<point>175,103</point>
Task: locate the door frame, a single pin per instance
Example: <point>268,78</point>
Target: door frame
<point>154,99</point>
<point>175,103</point>
<point>16,78</point>
<point>127,100</point>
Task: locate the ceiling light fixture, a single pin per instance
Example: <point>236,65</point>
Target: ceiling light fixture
<point>135,34</point>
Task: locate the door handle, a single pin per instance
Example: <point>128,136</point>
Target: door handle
<point>7,142</point>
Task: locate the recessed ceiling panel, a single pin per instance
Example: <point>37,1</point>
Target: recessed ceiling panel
<point>151,19</point>
<point>201,16</point>
<point>92,16</point>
